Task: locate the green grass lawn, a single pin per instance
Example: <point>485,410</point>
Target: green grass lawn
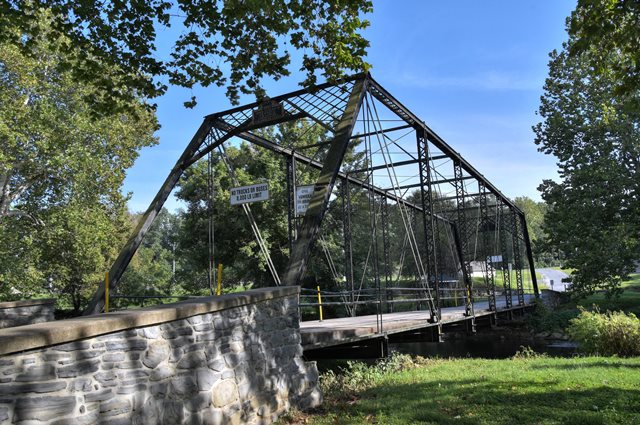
<point>498,278</point>
<point>593,390</point>
<point>628,301</point>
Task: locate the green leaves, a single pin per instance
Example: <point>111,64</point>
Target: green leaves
<point>62,213</point>
<point>608,32</point>
<point>225,43</point>
<point>589,126</point>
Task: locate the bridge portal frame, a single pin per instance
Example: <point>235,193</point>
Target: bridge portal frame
<point>336,107</point>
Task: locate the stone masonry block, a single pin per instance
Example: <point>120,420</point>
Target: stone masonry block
<point>43,408</point>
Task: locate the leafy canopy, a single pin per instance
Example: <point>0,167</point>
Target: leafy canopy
<point>232,43</point>
<point>62,213</point>
<point>599,27</point>
<point>594,212</point>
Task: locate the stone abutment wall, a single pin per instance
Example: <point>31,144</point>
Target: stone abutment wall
<point>20,313</point>
<point>229,359</point>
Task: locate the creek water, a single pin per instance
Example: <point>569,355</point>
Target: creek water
<point>483,345</point>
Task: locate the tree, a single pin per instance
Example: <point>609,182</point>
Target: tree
<point>599,27</point>
<point>594,211</point>
<point>77,243</point>
<point>534,212</point>
<point>225,43</point>
<point>535,215</point>
<point>235,244</point>
<point>152,270</point>
<point>62,213</point>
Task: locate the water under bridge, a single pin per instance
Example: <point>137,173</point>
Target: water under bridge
<point>414,237</point>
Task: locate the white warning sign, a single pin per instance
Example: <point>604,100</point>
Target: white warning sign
<point>245,194</point>
<point>303,197</point>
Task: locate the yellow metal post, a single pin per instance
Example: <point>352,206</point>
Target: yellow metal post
<point>320,303</point>
<point>106,292</point>
<point>219,288</point>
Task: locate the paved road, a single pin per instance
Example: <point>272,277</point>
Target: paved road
<point>556,276</point>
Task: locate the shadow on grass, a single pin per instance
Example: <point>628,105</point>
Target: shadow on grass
<point>485,402</point>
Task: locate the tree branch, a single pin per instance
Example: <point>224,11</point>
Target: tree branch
<point>19,213</point>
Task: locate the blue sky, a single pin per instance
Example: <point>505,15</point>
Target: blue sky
<point>472,70</point>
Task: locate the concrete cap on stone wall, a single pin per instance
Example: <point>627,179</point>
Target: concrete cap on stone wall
<point>40,335</point>
<point>26,303</point>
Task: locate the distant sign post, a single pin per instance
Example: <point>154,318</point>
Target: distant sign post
<point>303,197</point>
<point>246,194</point>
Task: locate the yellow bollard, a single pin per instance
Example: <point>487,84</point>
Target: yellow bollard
<point>106,292</point>
<point>219,288</point>
<point>320,303</point>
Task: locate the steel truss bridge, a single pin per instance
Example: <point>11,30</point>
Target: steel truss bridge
<point>463,241</point>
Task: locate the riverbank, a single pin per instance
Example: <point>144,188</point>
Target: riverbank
<point>527,389</point>
<point>546,321</point>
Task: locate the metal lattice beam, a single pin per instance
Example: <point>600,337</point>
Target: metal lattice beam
<point>335,107</point>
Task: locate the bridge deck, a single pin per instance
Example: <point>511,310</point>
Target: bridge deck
<point>330,332</point>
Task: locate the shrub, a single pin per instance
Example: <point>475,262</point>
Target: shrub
<point>359,376</point>
<point>528,353</point>
<point>545,319</point>
<point>612,333</point>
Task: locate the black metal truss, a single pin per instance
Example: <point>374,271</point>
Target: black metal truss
<point>335,107</point>
<point>291,203</point>
<point>347,237</point>
<point>465,262</point>
<point>428,222</point>
<point>485,222</point>
<point>506,273</point>
<point>517,257</point>
<point>386,254</point>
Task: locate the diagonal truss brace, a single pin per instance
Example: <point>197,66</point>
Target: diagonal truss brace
<point>324,185</point>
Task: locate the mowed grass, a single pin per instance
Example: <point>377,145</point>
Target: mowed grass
<point>628,301</point>
<point>593,390</point>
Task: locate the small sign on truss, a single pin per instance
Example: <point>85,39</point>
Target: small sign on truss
<point>268,110</point>
<point>246,194</point>
<point>495,259</point>
<point>303,197</point>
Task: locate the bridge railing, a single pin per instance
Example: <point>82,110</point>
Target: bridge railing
<point>385,299</point>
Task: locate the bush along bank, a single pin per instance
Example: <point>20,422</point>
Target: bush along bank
<point>599,324</point>
<point>607,334</point>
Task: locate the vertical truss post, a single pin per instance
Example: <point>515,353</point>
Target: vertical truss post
<point>464,252</point>
<point>348,248</point>
<point>414,225</point>
<point>517,258</point>
<point>428,218</point>
<point>319,201</point>
<point>527,244</point>
<point>373,221</point>
<point>506,278</point>
<point>211,231</point>
<point>459,251</point>
<point>385,246</point>
<point>488,268</point>
<point>291,200</point>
